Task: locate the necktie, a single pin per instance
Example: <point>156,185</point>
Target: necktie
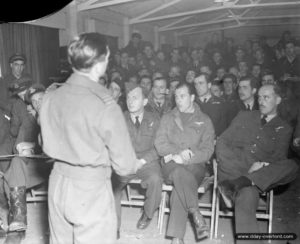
<point>137,122</point>
<point>248,107</point>
<point>264,120</point>
<point>205,100</point>
<point>159,104</point>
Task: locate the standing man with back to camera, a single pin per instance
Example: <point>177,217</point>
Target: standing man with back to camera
<point>84,131</point>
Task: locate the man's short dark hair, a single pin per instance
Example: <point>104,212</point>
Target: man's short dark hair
<point>163,79</point>
<point>191,89</point>
<point>276,88</point>
<point>86,50</point>
<point>136,35</point>
<point>145,77</point>
<point>253,81</point>
<point>230,76</point>
<point>206,76</point>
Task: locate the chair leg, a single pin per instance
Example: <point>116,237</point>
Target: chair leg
<point>213,209</point>
<point>128,193</point>
<point>270,211</point>
<point>162,212</point>
<point>217,215</point>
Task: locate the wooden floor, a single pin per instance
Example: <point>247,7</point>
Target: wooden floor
<point>286,220</point>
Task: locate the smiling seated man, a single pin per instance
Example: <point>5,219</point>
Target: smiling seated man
<point>142,126</point>
<point>252,156</point>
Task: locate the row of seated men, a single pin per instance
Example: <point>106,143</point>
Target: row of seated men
<point>175,127</point>
<point>239,60</point>
<point>19,130</point>
<point>176,142</point>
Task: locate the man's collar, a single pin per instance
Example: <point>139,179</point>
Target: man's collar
<point>133,117</point>
<point>251,103</point>
<point>269,117</point>
<point>205,97</point>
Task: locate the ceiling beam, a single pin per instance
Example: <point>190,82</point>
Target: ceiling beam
<point>211,30</point>
<point>213,9</point>
<point>176,22</point>
<point>153,11</point>
<point>236,26</point>
<point>91,4</point>
<point>211,22</point>
<point>238,19</point>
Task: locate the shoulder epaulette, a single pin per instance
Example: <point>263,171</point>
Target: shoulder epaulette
<point>106,98</point>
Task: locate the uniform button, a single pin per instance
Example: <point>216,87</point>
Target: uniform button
<point>257,137</point>
<point>254,145</point>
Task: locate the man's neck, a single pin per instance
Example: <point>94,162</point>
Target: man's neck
<point>89,75</point>
<point>206,95</point>
<point>159,100</point>
<point>291,58</point>
<point>17,76</point>
<point>249,101</point>
<point>138,113</point>
<point>190,110</point>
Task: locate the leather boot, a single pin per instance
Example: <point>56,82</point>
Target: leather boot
<point>14,237</point>
<point>18,209</point>
<point>202,229</point>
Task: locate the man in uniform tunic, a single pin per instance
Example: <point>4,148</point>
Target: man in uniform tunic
<point>84,131</point>
<point>252,155</point>
<point>142,126</point>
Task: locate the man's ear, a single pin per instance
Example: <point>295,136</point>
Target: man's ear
<point>278,100</point>
<point>209,85</point>
<point>254,90</point>
<point>145,101</point>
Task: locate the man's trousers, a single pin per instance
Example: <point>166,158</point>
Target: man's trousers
<point>81,205</point>
<point>246,201</point>
<point>186,180</point>
<point>151,180</point>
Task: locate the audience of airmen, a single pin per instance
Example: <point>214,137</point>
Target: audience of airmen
<point>176,104</point>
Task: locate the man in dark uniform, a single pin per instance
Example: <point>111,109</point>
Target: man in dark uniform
<point>252,155</point>
<point>84,130</point>
<point>142,126</point>
<point>296,136</point>
<point>209,104</point>
<point>247,92</point>
<point>185,139</point>
<point>22,173</point>
<point>158,102</point>
<point>17,64</point>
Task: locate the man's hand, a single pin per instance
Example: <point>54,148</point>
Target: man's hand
<point>140,163</point>
<point>296,142</point>
<point>178,159</point>
<point>256,166</point>
<point>186,154</point>
<point>25,148</point>
<point>31,110</point>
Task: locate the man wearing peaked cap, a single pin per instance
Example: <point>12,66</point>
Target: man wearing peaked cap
<point>17,75</point>
<point>17,56</point>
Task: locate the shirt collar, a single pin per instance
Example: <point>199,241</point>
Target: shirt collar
<point>141,116</point>
<point>205,97</point>
<point>250,103</point>
<point>268,117</point>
